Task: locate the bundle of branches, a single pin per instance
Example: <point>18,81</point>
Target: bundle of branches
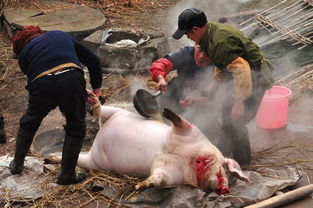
<point>288,20</point>
<point>300,82</point>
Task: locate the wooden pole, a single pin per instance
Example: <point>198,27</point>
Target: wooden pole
<point>284,198</point>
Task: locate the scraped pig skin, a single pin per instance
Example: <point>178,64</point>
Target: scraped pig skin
<point>127,143</point>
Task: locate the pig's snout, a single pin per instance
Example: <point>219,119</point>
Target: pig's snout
<point>222,186</point>
<point>218,185</point>
<point>222,183</point>
<point>217,182</point>
<point>222,190</point>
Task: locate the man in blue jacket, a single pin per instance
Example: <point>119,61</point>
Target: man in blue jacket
<point>192,68</point>
<point>52,62</point>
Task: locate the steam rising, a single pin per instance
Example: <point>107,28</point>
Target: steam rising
<point>284,57</point>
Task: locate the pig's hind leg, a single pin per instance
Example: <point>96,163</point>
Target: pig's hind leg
<point>100,111</point>
<point>85,161</point>
<point>165,171</point>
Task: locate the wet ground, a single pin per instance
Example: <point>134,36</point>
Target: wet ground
<point>297,136</point>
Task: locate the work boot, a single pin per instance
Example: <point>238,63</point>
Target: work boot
<point>241,149</point>
<point>225,142</point>
<point>71,150</point>
<point>2,133</point>
<point>23,141</point>
<point>2,137</point>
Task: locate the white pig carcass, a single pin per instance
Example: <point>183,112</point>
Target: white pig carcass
<point>127,143</point>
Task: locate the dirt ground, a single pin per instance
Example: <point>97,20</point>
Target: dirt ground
<point>13,96</point>
<point>124,13</point>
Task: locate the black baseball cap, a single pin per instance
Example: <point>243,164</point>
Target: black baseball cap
<point>187,19</point>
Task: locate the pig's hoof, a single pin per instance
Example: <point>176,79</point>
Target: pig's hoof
<point>52,160</point>
<point>143,185</point>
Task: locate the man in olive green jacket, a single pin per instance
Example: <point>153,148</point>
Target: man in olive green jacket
<point>239,60</point>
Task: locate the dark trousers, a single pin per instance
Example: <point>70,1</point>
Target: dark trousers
<point>1,122</point>
<point>2,132</point>
<point>68,92</point>
<point>235,136</point>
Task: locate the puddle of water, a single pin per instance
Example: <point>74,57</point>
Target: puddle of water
<point>57,147</point>
<point>51,141</point>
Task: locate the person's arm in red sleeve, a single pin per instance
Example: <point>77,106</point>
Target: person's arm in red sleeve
<point>158,71</point>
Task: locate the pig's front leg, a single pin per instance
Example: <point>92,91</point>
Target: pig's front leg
<point>157,179</point>
<point>166,170</point>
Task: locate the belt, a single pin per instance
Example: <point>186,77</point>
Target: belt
<point>61,71</point>
<point>57,68</point>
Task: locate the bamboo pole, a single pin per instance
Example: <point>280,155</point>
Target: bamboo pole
<point>284,17</point>
<point>264,12</point>
<point>288,18</point>
<point>285,12</point>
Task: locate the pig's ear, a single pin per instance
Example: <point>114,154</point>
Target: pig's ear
<point>234,168</point>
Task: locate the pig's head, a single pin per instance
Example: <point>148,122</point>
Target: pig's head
<point>215,176</point>
<point>212,171</point>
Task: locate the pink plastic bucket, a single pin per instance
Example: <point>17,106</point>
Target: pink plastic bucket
<point>273,110</point>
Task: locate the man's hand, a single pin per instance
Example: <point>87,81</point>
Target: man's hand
<point>97,92</point>
<point>199,101</point>
<point>186,102</point>
<point>162,84</point>
<point>93,93</point>
<point>238,110</point>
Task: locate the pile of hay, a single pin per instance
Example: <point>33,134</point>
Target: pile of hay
<point>106,189</point>
<point>90,191</point>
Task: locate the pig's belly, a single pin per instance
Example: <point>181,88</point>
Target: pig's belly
<point>129,144</point>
